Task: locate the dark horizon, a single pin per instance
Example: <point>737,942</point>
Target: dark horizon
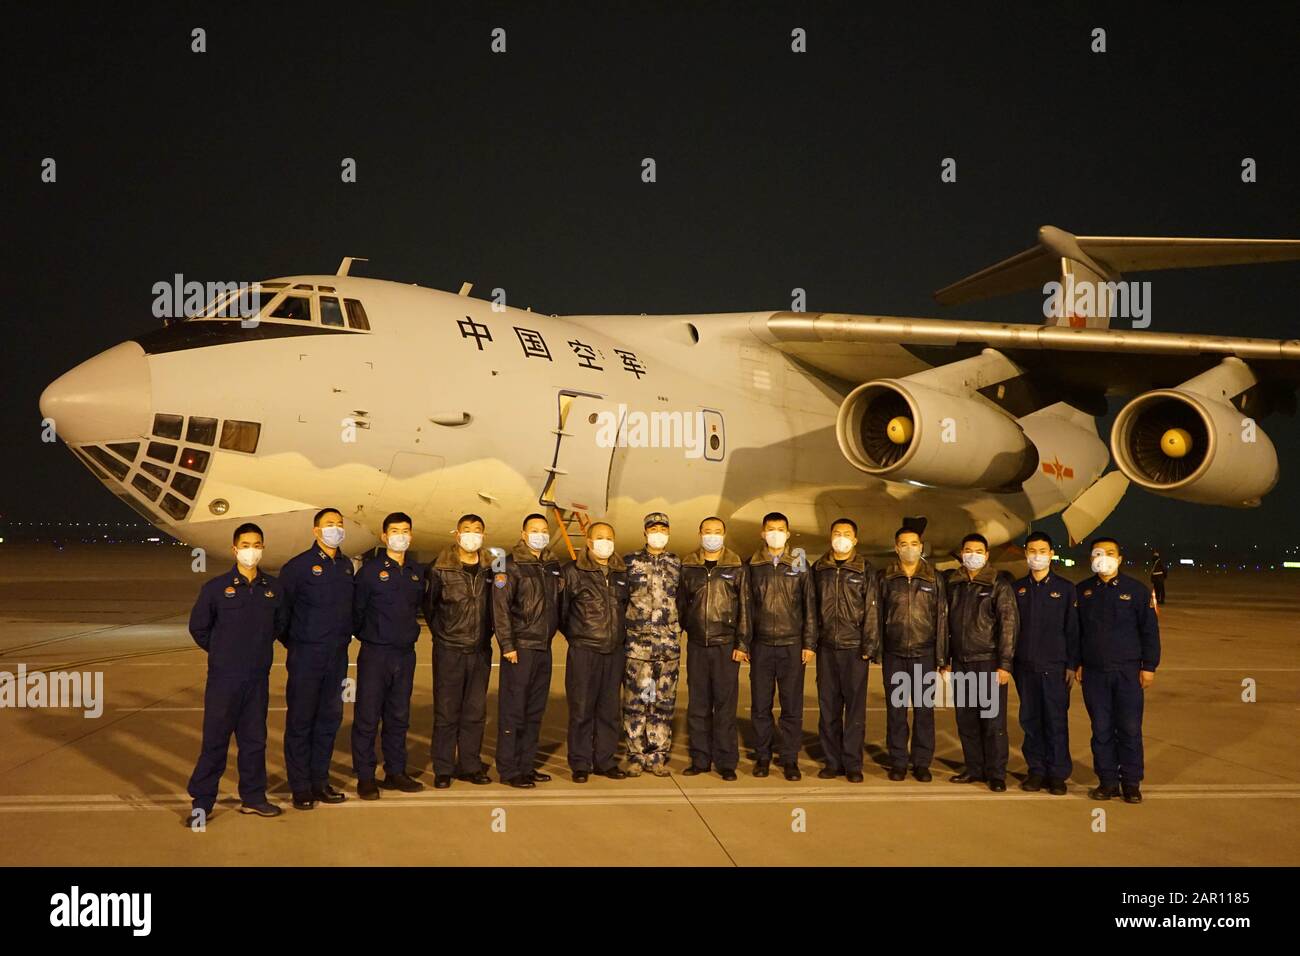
<point>775,170</point>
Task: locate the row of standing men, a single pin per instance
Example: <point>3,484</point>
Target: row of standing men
<point>625,620</point>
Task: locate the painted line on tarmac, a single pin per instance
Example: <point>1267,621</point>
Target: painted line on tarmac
<point>91,803</point>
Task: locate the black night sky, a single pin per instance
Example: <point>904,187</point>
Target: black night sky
<point>775,170</point>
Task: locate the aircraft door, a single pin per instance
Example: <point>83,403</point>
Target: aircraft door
<point>579,474</point>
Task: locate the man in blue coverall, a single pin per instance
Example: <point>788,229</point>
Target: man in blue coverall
<point>318,608</point>
<point>236,619</point>
<point>1119,640</point>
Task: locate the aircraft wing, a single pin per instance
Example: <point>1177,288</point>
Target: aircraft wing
<point>1077,365</point>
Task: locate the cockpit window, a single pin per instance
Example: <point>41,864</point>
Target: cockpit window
<point>243,303</point>
<point>330,312</point>
<point>357,318</point>
<point>167,426</point>
<point>293,307</point>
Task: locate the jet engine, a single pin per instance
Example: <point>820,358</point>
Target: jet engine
<point>905,430</point>
<point>1191,443</point>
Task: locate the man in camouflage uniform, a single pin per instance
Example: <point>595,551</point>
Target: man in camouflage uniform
<point>654,650</point>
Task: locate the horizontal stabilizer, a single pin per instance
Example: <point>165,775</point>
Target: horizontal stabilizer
<point>1109,257</point>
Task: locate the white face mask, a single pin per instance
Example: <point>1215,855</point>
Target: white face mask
<point>538,540</point>
<point>248,557</point>
<point>973,560</point>
<point>909,553</point>
<point>711,542</point>
<point>602,548</point>
<point>657,539</point>
<point>333,537</point>
<point>1038,562</point>
<point>1103,563</point>
<point>471,540</point>
<point>775,539</point>
<point>397,543</point>
<point>841,545</point>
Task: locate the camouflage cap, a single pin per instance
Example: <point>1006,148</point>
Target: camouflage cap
<point>656,517</point>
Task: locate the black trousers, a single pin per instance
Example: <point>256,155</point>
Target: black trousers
<point>593,683</point>
<point>712,687</point>
<point>460,683</point>
<point>776,671</point>
<point>522,693</point>
<point>314,693</point>
<point>1158,585</point>
<point>898,698</point>
<point>232,705</point>
<point>1115,700</point>
<point>385,675</point>
<point>842,707</point>
<point>1045,719</point>
<point>984,744</point>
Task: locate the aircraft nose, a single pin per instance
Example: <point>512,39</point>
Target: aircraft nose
<point>105,398</point>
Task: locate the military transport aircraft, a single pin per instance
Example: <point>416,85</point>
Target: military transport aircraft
<point>374,396</point>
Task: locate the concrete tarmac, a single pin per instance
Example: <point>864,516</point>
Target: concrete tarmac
<point>1222,774</point>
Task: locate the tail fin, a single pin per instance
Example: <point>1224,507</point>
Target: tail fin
<point>1094,264</point>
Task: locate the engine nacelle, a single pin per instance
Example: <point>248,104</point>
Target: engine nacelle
<point>1184,444</point>
<point>905,431</point>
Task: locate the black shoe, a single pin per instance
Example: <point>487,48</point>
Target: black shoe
<point>1055,786</point>
<point>303,800</point>
<point>1103,791</point>
<point>897,773</point>
<point>827,773</point>
<point>922,774</point>
<point>263,809</point>
<point>694,771</point>
<point>1032,784</point>
<point>580,776</point>
<point>761,768</point>
<point>792,772</point>
<point>727,775</point>
<point>400,781</point>
<point>441,781</point>
<point>538,777</point>
<point>613,773</point>
<point>998,785</point>
<point>1132,794</point>
<point>966,777</point>
<point>854,776</point>
<point>368,789</point>
<point>526,783</point>
<point>478,779</point>
<point>324,793</point>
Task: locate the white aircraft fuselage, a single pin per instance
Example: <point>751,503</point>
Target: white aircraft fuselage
<point>427,414</point>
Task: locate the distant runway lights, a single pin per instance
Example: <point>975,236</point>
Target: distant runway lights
<point>1176,442</point>
<point>899,430</point>
<point>219,506</point>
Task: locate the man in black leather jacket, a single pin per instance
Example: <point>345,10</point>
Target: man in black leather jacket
<point>914,615</point>
<point>983,621</point>
<point>457,606</point>
<point>592,607</point>
<point>783,609</point>
<point>713,608</point>
<point>526,588</point>
<point>848,627</point>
